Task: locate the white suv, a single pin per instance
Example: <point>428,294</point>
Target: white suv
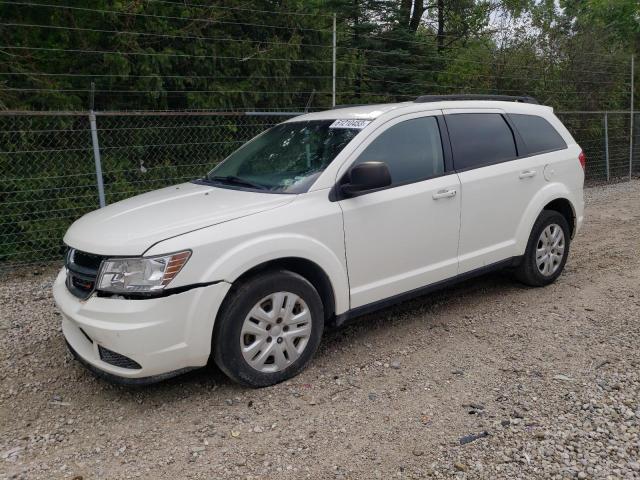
<point>318,220</point>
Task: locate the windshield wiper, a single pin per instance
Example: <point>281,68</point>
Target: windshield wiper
<point>233,180</point>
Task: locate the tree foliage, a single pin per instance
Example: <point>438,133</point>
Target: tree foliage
<point>162,54</point>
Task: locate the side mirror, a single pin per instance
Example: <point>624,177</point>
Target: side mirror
<point>366,176</point>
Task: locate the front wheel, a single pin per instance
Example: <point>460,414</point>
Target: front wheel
<point>268,329</point>
<point>547,250</point>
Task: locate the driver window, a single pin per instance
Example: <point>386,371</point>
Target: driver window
<point>411,149</point>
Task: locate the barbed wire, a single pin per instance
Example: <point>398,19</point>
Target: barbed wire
<point>236,111</point>
<point>158,75</point>
<point>163,54</point>
<point>300,60</point>
<point>160,35</point>
<point>163,17</point>
<point>252,57</point>
<point>471,74</point>
<point>481,32</point>
<point>437,57</point>
<point>243,9</point>
<point>311,77</point>
<point>154,127</point>
<point>350,93</point>
<point>450,86</point>
<point>197,19</point>
<point>124,92</point>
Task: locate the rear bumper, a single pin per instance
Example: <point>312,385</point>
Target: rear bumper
<point>579,222</point>
<point>579,214</point>
<point>165,335</point>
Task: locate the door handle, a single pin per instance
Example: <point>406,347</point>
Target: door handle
<point>527,174</point>
<point>448,193</point>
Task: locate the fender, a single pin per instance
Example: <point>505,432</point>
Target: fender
<point>308,228</point>
<point>247,255</point>
<point>549,193</point>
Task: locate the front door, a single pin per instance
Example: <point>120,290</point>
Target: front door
<point>405,236</point>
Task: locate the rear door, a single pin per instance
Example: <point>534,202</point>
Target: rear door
<point>496,185</point>
<point>405,236</point>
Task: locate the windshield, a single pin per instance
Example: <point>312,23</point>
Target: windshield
<point>287,158</point>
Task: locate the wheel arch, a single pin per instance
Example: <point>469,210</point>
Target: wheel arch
<point>323,265</point>
<point>306,268</point>
<point>564,207</point>
<point>553,196</point>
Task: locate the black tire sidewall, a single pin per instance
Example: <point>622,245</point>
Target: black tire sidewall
<point>240,300</point>
<point>529,270</point>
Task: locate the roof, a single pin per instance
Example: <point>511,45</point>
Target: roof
<point>362,112</point>
<point>371,112</point>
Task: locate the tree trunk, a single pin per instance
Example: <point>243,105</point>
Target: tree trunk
<point>416,17</point>
<point>405,12</point>
<point>440,37</point>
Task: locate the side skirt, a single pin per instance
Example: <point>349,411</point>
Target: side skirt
<point>418,292</point>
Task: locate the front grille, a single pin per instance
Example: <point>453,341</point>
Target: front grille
<point>116,359</point>
<point>82,271</point>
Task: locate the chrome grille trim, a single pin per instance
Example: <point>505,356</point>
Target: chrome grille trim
<point>82,272</point>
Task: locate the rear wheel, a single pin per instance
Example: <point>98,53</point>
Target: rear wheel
<point>547,250</point>
<point>268,329</point>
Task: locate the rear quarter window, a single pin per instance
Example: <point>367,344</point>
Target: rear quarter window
<point>537,133</point>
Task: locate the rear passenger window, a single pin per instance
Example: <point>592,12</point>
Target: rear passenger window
<point>538,134</point>
<point>479,139</point>
<point>411,149</point>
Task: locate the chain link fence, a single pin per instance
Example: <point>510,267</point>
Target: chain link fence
<point>49,171</point>
<point>49,175</point>
<point>605,138</point>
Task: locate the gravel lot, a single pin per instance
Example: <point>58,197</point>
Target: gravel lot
<point>551,375</point>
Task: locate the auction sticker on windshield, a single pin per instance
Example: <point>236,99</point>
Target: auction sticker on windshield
<point>350,123</point>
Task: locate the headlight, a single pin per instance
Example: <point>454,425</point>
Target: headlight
<point>131,275</point>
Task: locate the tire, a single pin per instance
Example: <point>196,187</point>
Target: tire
<point>529,272</point>
<point>257,345</point>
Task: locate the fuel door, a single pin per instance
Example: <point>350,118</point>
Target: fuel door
<point>549,172</point>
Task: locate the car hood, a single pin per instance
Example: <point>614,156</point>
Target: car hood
<point>131,226</point>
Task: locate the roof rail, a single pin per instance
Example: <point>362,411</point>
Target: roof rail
<point>471,96</point>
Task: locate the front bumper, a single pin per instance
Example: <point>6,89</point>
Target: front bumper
<point>164,335</point>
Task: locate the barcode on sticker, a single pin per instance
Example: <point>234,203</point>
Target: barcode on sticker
<point>353,123</point>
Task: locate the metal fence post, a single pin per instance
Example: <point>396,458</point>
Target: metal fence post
<point>333,73</point>
<point>96,157</point>
<point>606,143</point>
<point>631,122</point>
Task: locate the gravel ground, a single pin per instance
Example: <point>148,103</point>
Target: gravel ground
<point>548,379</point>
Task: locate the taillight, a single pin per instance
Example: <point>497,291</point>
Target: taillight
<point>583,160</point>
